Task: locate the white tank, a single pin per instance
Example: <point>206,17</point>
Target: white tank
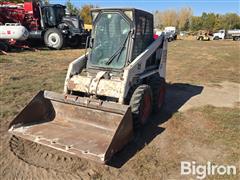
<point>234,31</point>
<point>13,31</point>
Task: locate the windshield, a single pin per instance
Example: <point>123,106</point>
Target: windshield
<point>110,36</point>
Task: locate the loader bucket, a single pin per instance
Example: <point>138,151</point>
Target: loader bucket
<point>87,128</point>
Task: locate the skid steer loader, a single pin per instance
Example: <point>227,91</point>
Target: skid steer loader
<point>109,92</point>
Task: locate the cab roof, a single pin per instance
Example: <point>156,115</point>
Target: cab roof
<point>121,9</point>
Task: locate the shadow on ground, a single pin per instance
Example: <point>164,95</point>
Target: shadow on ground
<point>177,95</point>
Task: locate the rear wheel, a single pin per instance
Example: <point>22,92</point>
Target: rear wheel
<point>53,38</point>
<point>141,105</point>
<point>236,38</point>
<point>169,39</point>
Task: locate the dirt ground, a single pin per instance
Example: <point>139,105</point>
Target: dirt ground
<point>199,122</point>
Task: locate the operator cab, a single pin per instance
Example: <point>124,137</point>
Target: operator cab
<point>112,45</point>
<point>53,14</point>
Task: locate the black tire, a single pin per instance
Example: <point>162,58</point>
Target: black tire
<point>175,37</point>
<point>53,38</point>
<point>3,46</point>
<point>216,38</point>
<point>158,86</point>
<point>236,38</point>
<point>141,105</point>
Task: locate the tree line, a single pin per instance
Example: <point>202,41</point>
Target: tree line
<point>185,21</point>
<point>83,12</point>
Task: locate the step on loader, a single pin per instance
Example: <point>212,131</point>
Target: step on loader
<point>108,93</point>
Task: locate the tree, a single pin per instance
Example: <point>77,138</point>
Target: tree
<point>184,20</point>
<point>184,16</point>
<point>158,20</point>
<point>231,21</point>
<point>180,19</point>
<point>196,23</point>
<point>169,18</point>
<point>219,22</point>
<point>71,8</point>
<point>45,1</point>
<point>85,13</point>
<point>208,20</point>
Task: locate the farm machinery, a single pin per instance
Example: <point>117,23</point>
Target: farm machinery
<point>204,35</point>
<point>47,22</point>
<point>109,93</point>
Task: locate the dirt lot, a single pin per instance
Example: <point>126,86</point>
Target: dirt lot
<point>200,121</point>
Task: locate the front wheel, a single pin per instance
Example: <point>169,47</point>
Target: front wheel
<point>141,105</point>
<point>53,38</point>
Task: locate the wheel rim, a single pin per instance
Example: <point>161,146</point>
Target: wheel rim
<point>161,97</point>
<point>53,39</point>
<point>146,109</point>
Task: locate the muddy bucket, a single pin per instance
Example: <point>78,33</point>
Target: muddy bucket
<point>91,129</point>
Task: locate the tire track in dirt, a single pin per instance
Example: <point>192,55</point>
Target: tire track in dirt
<point>11,167</point>
<point>14,168</point>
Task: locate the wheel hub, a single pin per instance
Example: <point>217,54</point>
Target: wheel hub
<point>53,39</point>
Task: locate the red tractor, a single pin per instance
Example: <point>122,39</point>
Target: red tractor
<point>48,22</point>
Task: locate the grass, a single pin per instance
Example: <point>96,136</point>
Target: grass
<point>227,129</point>
<point>23,74</point>
<point>206,133</point>
<point>203,62</point>
<point>202,134</point>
